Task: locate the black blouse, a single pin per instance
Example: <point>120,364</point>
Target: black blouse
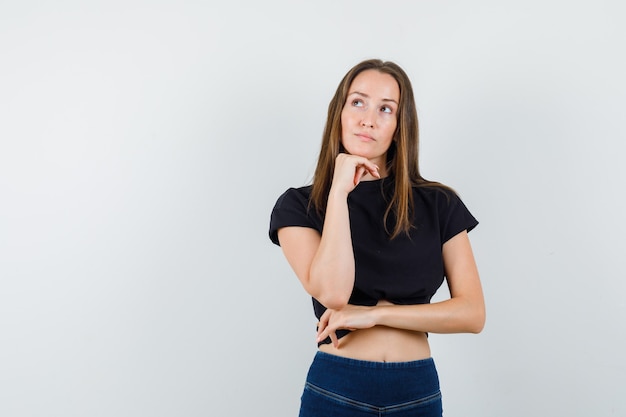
<point>404,270</point>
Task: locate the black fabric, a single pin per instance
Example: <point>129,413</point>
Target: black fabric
<point>405,270</point>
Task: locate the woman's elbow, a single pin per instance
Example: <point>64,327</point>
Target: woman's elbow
<point>331,293</point>
<point>332,298</point>
<point>333,301</point>
<point>477,322</point>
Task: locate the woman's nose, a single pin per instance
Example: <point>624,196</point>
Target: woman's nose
<point>368,119</point>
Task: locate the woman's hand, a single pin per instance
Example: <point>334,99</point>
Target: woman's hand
<point>350,169</point>
<point>351,317</point>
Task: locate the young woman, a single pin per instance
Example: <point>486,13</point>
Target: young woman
<point>371,241</point>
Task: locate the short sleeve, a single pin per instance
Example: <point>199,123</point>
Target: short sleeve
<point>454,217</point>
<point>292,209</point>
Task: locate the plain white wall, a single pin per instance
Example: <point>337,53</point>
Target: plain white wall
<point>143,145</point>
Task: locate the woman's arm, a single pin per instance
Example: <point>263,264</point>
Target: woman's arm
<point>325,264</point>
<point>464,312</point>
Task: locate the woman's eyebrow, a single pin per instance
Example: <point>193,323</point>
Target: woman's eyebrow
<point>366,96</point>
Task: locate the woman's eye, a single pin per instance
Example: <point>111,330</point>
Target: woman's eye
<point>357,103</point>
<point>386,109</point>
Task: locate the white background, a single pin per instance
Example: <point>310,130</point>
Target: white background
<point>144,143</point>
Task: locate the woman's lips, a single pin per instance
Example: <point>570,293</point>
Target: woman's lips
<point>364,136</point>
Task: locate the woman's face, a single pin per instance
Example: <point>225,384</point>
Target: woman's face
<point>369,116</point>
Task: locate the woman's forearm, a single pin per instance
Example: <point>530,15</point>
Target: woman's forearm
<point>456,315</point>
<point>332,269</point>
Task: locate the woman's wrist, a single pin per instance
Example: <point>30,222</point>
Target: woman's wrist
<point>336,193</point>
<point>385,314</point>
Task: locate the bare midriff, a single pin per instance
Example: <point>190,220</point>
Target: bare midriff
<point>381,344</point>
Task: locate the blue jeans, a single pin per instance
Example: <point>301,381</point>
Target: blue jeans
<point>343,387</point>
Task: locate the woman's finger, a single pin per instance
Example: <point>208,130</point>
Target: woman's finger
<point>334,340</point>
<point>323,323</point>
<point>324,334</point>
<point>360,170</point>
<point>374,172</point>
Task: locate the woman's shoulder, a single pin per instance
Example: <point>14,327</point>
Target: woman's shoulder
<point>435,191</point>
<point>293,209</point>
<point>437,195</point>
<point>295,194</point>
<point>453,215</point>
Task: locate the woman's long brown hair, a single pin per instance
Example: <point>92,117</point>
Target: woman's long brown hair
<point>402,156</point>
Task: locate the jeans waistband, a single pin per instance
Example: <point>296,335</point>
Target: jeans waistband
<point>340,360</point>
